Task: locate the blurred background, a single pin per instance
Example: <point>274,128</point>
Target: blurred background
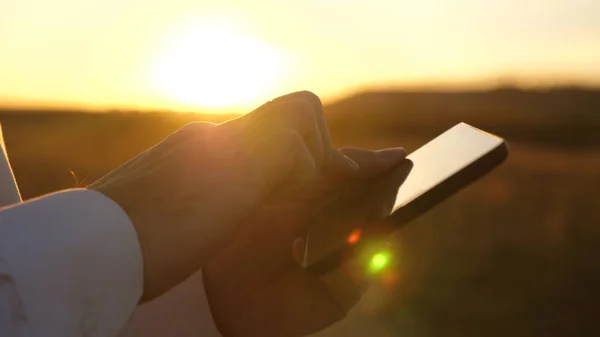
<point>87,84</point>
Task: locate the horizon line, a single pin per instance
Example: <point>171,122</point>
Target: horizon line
<point>7,104</point>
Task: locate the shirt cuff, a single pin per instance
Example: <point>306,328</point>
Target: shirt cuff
<point>76,261</point>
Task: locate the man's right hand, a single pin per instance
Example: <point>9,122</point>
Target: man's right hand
<point>186,195</point>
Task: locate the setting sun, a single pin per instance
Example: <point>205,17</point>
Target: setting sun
<point>214,65</point>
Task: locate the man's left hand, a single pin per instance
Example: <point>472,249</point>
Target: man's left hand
<point>256,286</point>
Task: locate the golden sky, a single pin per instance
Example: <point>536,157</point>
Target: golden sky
<point>233,54</point>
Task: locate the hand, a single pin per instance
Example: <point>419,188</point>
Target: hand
<point>256,287</point>
<point>186,195</point>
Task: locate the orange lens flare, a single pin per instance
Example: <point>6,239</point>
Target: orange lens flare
<point>354,237</point>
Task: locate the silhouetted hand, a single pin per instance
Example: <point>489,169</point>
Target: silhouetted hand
<point>187,195</point>
<point>256,286</point>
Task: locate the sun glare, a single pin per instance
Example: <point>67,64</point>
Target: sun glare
<point>216,66</point>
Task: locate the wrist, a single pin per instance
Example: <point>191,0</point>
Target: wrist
<point>103,187</point>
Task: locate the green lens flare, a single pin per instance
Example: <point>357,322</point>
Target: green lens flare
<point>379,261</point>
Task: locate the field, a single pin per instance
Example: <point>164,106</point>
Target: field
<point>517,254</point>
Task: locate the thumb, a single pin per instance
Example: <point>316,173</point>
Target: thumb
<point>374,163</point>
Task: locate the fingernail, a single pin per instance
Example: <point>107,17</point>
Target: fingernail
<point>352,163</point>
<point>403,170</point>
<point>394,155</point>
<point>407,165</point>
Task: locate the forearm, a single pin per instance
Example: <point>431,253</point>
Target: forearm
<point>182,311</point>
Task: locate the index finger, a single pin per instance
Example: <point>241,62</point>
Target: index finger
<point>333,159</point>
<point>374,163</point>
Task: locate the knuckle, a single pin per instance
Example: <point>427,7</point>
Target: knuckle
<point>303,95</point>
<point>292,111</point>
<point>311,98</point>
<point>293,138</point>
<point>195,127</point>
<point>298,105</point>
<point>285,136</point>
<point>192,132</point>
<point>281,141</point>
<point>298,115</point>
<point>292,144</point>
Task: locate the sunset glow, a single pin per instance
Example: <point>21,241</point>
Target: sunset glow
<point>207,55</point>
<point>213,65</point>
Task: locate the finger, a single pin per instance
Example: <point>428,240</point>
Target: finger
<point>300,115</point>
<point>379,197</point>
<point>338,162</point>
<point>333,159</point>
<point>266,107</point>
<point>187,132</point>
<point>287,163</point>
<point>303,94</point>
<point>306,96</point>
<point>294,114</point>
<point>373,163</point>
<point>321,193</point>
<point>384,192</point>
<point>376,201</point>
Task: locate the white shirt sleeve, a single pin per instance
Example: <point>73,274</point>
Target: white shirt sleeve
<point>70,266</point>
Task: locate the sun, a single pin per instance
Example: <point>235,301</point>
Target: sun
<point>214,65</point>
